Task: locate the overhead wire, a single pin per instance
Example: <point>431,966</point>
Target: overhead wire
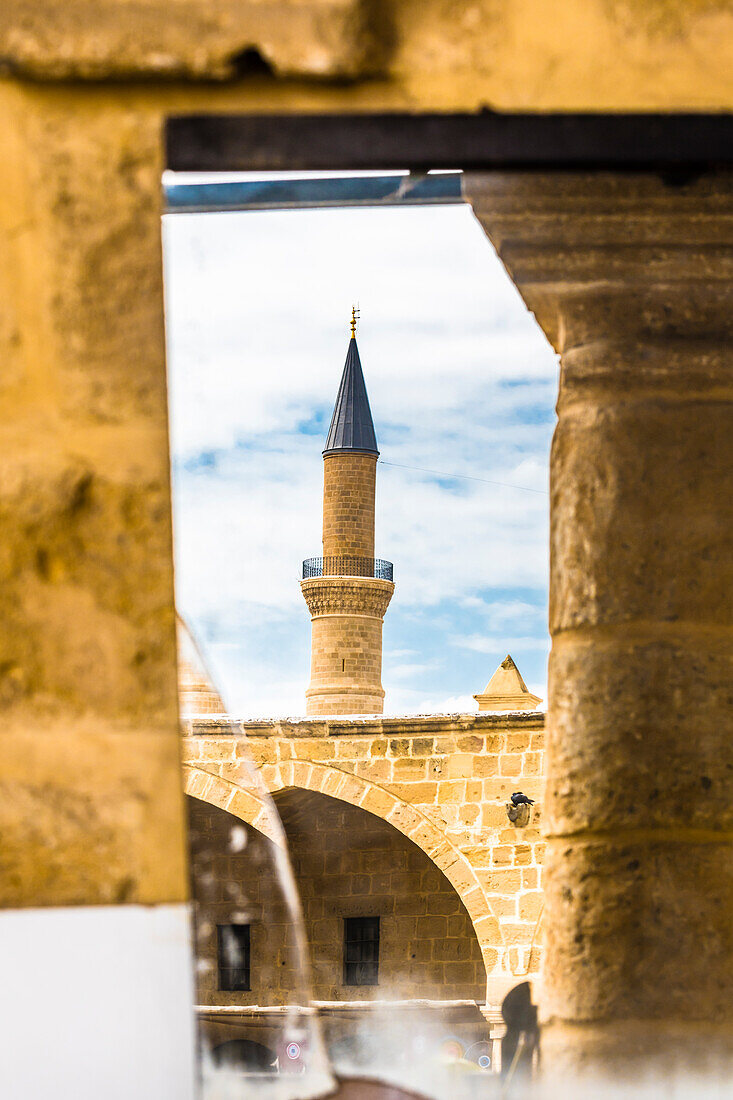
<point>464,477</point>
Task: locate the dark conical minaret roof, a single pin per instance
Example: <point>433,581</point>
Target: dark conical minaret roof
<point>352,427</point>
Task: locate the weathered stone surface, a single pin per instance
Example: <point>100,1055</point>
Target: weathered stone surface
<point>88,816</point>
<point>653,713</point>
<point>658,56</point>
<point>91,807</point>
<point>629,278</point>
<point>656,909</point>
<point>316,38</point>
<point>665,281</point>
<point>641,525</point>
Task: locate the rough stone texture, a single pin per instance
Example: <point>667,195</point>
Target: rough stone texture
<point>662,54</point>
<point>88,39</point>
<point>630,279</point>
<point>442,780</point>
<point>666,763</point>
<point>89,807</point>
<point>617,907</point>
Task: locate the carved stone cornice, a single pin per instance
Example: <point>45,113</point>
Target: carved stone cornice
<point>347,596</point>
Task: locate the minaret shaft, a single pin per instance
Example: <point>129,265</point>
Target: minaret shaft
<point>349,486</point>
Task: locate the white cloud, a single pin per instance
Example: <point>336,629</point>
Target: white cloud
<point>438,704</point>
<point>460,380</point>
<point>481,644</point>
<point>410,671</point>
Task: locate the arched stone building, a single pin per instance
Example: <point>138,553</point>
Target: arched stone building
<point>615,239</point>
<point>435,785</point>
<point>397,827</point>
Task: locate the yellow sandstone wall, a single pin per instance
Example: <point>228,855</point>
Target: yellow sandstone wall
<point>83,340</point>
<point>349,482</point>
<point>505,54</point>
<point>88,652</point>
<point>87,624</point>
<point>346,863</point>
<point>442,780</point>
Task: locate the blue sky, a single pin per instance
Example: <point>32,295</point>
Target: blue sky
<point>461,381</point>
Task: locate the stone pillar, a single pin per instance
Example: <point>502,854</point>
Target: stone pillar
<point>630,278</point>
<point>93,877</point>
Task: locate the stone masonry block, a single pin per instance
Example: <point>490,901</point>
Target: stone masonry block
<point>459,766</point>
<point>416,793</point>
<point>669,698</point>
<point>530,906</point>
<point>378,771</point>
<point>600,896</point>
<point>510,765</point>
<point>378,802</point>
<point>409,769</point>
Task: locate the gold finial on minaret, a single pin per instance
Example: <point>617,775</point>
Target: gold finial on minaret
<point>354,318</point>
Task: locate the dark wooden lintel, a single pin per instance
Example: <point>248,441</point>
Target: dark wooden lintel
<point>684,143</point>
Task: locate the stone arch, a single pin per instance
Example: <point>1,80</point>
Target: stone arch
<point>323,779</point>
<point>243,802</point>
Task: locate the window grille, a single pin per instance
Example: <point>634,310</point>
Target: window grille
<point>361,950</point>
<point>233,956</point>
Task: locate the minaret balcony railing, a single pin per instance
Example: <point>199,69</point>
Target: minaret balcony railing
<point>347,567</point>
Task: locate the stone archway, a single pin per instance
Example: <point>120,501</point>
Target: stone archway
<point>349,863</point>
<point>240,801</point>
<point>235,793</point>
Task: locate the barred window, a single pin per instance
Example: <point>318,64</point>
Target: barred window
<point>233,956</point>
<point>361,950</point>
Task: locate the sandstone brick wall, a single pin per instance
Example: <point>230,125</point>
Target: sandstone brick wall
<point>349,482</point>
<point>443,780</point>
<point>347,863</point>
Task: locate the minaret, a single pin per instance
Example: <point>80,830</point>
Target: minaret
<point>347,590</point>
